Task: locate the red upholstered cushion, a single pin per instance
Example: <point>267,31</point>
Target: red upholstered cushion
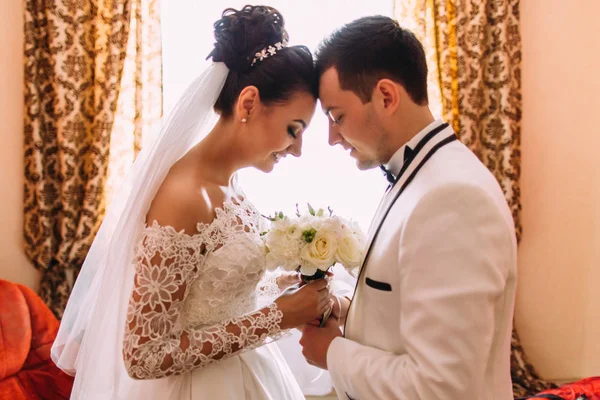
<point>585,389</point>
<point>27,330</point>
<point>15,329</point>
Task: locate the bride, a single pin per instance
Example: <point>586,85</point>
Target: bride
<point>173,301</point>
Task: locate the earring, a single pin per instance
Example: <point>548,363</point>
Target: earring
<point>244,120</point>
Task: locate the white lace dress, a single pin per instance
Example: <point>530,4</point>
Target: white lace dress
<point>194,311</point>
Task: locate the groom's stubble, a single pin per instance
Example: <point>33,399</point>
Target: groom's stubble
<point>381,149</point>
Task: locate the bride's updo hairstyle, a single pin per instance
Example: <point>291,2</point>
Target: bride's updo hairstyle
<point>251,42</point>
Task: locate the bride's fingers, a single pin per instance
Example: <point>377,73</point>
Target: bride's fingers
<point>320,285</point>
<point>295,277</point>
<point>323,297</point>
<point>326,305</point>
<point>323,305</point>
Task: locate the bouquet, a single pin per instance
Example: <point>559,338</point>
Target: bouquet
<point>313,242</point>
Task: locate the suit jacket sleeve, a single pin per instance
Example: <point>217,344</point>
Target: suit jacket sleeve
<point>454,254</point>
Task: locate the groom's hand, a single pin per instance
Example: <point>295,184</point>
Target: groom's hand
<point>338,313</point>
<point>340,309</point>
<point>315,342</point>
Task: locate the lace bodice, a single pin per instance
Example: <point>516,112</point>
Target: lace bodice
<point>195,297</point>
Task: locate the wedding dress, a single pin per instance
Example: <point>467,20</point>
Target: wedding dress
<point>194,310</point>
<point>191,327</point>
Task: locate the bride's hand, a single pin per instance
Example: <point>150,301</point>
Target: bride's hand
<point>304,304</point>
<point>287,279</point>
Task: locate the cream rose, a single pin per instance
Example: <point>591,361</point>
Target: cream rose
<point>320,253</point>
<point>349,250</point>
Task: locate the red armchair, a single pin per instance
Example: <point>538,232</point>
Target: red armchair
<point>27,330</point>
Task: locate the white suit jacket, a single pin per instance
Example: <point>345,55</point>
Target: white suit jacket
<point>432,314</point>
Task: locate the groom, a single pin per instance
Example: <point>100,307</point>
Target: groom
<point>431,316</point>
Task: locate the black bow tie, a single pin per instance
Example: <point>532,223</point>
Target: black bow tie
<point>408,155</point>
<point>388,175</point>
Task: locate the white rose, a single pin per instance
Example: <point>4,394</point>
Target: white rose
<point>349,251</point>
<point>320,253</point>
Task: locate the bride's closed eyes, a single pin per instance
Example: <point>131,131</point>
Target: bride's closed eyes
<point>292,132</point>
<point>295,130</point>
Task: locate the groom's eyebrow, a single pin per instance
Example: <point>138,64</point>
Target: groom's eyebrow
<point>329,109</point>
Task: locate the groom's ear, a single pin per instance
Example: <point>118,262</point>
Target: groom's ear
<point>248,102</point>
<point>387,96</point>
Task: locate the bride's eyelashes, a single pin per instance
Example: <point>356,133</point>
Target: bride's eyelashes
<point>297,127</point>
<point>292,132</point>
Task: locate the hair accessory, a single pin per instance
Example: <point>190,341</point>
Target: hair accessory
<point>269,51</point>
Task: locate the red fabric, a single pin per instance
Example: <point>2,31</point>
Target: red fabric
<point>589,387</point>
<point>27,330</point>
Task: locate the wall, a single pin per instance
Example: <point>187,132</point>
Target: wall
<point>13,264</point>
<point>558,305</point>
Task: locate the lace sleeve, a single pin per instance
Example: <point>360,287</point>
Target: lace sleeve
<point>155,343</point>
<point>268,285</point>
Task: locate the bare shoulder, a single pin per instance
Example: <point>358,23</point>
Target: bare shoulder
<point>184,200</point>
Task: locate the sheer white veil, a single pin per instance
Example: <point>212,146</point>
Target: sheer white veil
<point>89,342</point>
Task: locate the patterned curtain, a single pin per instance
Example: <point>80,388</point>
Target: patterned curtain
<point>92,86</point>
<point>474,55</point>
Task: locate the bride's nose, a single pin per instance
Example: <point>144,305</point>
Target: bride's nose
<point>296,148</point>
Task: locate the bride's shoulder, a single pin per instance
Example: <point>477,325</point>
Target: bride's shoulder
<point>184,200</point>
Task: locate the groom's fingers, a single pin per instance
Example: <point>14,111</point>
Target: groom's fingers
<point>330,323</point>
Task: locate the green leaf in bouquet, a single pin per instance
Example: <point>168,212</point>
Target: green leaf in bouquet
<point>321,212</point>
<point>280,215</point>
<point>311,210</point>
<point>273,218</point>
<point>309,235</point>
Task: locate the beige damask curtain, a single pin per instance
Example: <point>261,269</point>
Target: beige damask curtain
<point>92,88</point>
<point>474,56</point>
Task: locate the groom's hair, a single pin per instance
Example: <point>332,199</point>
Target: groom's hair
<point>373,48</point>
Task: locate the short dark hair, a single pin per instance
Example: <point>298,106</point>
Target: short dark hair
<point>373,48</point>
<point>239,35</point>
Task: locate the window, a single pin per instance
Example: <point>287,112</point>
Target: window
<point>323,176</point>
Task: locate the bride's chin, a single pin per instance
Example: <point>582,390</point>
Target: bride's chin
<point>265,167</point>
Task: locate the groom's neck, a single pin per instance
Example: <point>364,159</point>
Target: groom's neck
<point>407,124</point>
